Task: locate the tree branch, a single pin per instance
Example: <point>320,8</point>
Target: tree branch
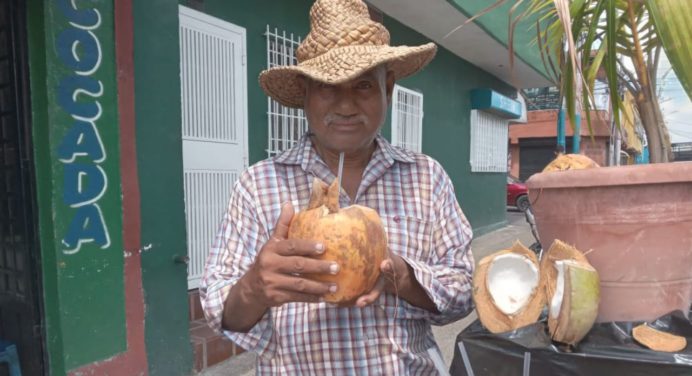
<point>630,77</point>
<point>632,88</point>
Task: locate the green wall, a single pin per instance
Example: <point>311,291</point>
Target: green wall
<point>160,169</point>
<point>497,24</point>
<point>77,167</point>
<point>446,84</point>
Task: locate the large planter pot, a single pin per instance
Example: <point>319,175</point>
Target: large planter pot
<point>635,225</point>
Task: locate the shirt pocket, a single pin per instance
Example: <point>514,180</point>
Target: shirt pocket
<point>409,237</point>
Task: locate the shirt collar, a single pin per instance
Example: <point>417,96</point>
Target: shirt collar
<point>304,154</point>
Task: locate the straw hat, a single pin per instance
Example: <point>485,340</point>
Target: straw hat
<point>343,43</point>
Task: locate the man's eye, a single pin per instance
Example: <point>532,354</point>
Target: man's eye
<point>324,85</point>
<point>364,85</point>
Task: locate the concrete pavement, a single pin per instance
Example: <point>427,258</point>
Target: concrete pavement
<point>503,238</point>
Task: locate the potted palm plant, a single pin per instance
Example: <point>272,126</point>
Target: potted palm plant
<point>634,222</point>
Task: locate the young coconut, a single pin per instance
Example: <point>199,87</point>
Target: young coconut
<point>572,287</point>
<point>354,237</point>
<point>508,289</point>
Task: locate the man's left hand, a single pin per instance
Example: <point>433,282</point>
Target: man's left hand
<point>394,272</point>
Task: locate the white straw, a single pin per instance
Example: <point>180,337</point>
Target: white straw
<point>341,168</point>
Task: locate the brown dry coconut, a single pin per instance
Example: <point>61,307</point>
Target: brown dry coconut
<point>353,236</point>
<point>565,162</point>
<point>658,340</point>
<point>508,289</point>
<point>573,289</point>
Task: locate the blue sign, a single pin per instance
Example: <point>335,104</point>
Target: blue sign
<point>496,103</point>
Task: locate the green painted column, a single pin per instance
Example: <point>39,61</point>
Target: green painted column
<point>76,137</point>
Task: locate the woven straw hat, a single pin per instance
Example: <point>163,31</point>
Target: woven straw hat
<point>343,43</point>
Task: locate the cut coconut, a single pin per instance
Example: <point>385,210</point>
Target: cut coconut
<point>572,285</point>
<point>512,280</point>
<point>508,289</point>
<point>658,340</point>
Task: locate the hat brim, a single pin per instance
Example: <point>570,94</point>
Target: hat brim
<point>343,64</point>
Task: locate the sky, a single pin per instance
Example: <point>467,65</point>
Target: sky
<point>676,106</point>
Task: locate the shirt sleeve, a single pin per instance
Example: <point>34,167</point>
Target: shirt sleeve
<point>447,276</point>
<point>230,257</point>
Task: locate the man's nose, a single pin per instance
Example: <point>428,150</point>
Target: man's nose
<point>345,102</point>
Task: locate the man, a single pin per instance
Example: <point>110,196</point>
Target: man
<point>254,286</point>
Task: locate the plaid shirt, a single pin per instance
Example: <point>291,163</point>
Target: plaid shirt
<point>424,225</point>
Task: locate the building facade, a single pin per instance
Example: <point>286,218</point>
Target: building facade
<point>124,126</point>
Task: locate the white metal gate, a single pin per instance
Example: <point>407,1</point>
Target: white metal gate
<point>214,123</point>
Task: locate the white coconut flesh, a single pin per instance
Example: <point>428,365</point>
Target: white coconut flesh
<point>556,300</point>
<point>511,281</point>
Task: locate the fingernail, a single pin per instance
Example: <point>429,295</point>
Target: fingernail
<point>334,268</point>
<point>333,288</point>
<point>319,247</point>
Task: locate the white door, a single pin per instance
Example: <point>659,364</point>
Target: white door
<point>214,117</point>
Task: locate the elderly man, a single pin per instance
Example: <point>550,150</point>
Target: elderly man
<point>255,288</point>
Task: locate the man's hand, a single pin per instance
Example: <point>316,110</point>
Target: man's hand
<point>277,276</point>
<point>393,272</point>
<point>398,278</point>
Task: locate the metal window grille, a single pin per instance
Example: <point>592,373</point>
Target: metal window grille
<point>488,142</point>
<point>286,125</point>
<point>407,118</point>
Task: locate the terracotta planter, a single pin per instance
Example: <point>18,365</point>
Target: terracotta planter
<point>637,222</point>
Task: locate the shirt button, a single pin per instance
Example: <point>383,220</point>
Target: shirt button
<point>397,219</point>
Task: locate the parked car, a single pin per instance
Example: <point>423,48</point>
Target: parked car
<point>517,193</point>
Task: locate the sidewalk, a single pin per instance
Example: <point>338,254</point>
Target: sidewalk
<point>516,229</point>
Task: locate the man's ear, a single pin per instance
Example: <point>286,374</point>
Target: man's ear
<point>390,86</point>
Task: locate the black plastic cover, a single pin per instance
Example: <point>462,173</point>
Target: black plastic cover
<point>608,350</point>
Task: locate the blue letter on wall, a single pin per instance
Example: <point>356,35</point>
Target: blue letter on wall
<point>81,140</point>
<point>69,89</point>
<point>87,226</point>
<point>79,50</point>
<point>84,184</point>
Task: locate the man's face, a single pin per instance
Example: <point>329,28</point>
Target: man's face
<point>346,117</point>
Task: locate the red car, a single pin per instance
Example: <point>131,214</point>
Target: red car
<point>517,194</point>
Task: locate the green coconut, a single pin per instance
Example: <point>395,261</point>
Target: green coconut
<point>573,290</point>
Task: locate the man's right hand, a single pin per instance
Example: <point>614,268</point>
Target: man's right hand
<point>277,277</point>
<point>278,274</point>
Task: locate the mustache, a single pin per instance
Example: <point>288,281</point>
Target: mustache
<point>340,119</point>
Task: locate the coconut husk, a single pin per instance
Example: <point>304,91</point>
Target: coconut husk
<point>579,308</point>
<point>658,340</point>
<point>558,251</point>
<point>581,292</point>
<point>354,237</point>
<point>565,162</point>
<point>490,316</point>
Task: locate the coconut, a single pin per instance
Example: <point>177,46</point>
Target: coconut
<point>508,289</point>
<point>353,236</point>
<point>658,340</point>
<point>565,162</point>
<point>572,285</point>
